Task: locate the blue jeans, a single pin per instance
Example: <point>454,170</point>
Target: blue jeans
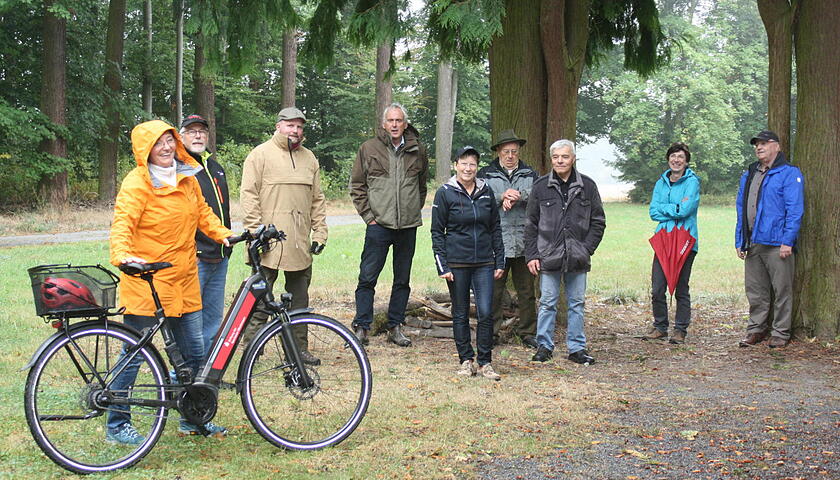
<point>211,277</point>
<point>187,333</point>
<point>481,280</point>
<point>576,298</point>
<point>378,240</point>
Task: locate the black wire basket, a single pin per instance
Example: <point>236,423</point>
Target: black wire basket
<point>73,290</point>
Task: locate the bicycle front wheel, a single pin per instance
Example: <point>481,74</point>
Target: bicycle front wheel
<point>64,398</point>
<point>293,417</point>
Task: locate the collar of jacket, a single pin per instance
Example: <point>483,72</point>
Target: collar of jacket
<point>282,141</point>
<point>202,157</point>
<point>780,161</point>
<point>181,170</point>
<point>453,183</point>
<point>688,173</point>
<point>576,180</point>
<point>411,137</point>
<point>520,167</point>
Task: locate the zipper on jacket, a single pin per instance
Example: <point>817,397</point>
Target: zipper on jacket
<point>214,184</point>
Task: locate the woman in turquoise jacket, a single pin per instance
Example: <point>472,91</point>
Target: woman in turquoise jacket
<point>676,198</point>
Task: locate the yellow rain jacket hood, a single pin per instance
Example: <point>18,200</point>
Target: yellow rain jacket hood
<point>157,222</point>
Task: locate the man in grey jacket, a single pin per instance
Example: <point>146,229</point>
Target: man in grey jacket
<point>564,227</point>
<point>511,180</point>
<point>388,188</point>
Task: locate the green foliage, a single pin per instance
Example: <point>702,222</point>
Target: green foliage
<point>231,156</point>
<point>465,29</point>
<point>635,25</point>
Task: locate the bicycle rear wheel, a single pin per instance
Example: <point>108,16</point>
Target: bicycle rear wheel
<point>298,418</point>
<point>63,403</point>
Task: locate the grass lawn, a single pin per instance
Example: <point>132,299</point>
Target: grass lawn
<point>423,421</point>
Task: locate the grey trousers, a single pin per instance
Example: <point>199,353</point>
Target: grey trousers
<point>523,281</point>
<point>768,281</point>
<point>297,283</point>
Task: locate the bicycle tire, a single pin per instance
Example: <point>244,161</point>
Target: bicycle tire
<point>61,386</point>
<point>324,415</point>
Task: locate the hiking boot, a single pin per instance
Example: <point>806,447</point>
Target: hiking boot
<point>777,342</point>
<point>487,372</point>
<point>530,341</point>
<point>582,357</point>
<point>543,354</point>
<point>362,335</point>
<point>309,359</point>
<point>468,368</point>
<point>395,336</point>
<point>677,338</point>
<point>125,434</point>
<point>186,428</point>
<point>752,339</point>
<point>654,333</point>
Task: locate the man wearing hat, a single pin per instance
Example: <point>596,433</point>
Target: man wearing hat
<point>212,257</point>
<point>770,205</point>
<point>281,185</point>
<point>511,180</point>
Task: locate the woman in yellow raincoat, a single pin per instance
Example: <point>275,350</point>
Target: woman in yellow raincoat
<point>158,209</point>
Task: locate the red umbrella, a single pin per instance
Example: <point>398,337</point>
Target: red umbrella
<point>672,248</point>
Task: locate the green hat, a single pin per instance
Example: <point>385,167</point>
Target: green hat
<point>507,136</point>
<point>290,113</point>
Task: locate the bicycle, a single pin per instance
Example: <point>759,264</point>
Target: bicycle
<point>293,405</point>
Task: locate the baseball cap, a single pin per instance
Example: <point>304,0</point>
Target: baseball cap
<point>764,136</point>
<point>290,113</point>
<point>191,119</point>
<point>465,150</point>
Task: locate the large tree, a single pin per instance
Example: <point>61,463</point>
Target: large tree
<point>53,184</point>
<point>778,16</point>
<point>817,152</point>
<point>109,143</point>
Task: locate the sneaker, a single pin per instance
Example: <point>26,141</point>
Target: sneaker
<point>396,336</point>
<point>362,335</point>
<point>213,430</point>
<point>487,372</point>
<point>125,434</point>
<point>530,341</point>
<point>654,333</point>
<point>308,358</point>
<point>677,338</point>
<point>582,357</point>
<point>543,354</point>
<point>468,368</point>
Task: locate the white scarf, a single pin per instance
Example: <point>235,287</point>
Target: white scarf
<point>164,174</point>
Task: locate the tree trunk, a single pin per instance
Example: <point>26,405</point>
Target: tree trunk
<point>109,142</point>
<point>817,285</point>
<point>777,16</point>
<point>179,61</point>
<point>147,58</point>
<point>446,102</point>
<point>518,80</point>
<point>205,92</point>
<point>289,67</point>
<point>53,187</point>
<point>384,86</point>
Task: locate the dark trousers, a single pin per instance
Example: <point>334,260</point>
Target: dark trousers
<point>658,288</point>
<point>523,282</point>
<point>481,280</point>
<point>378,240</point>
<point>297,283</point>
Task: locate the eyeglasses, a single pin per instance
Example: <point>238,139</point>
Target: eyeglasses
<point>195,133</point>
<point>508,151</point>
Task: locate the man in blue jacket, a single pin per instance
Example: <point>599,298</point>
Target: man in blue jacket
<point>770,205</point>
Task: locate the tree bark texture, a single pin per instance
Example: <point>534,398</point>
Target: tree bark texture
<point>53,187</point>
<point>817,285</point>
<point>205,92</point>
<point>109,142</point>
<point>384,86</point>
<point>179,61</point>
<point>777,16</point>
<point>147,59</point>
<point>518,80</point>
<point>289,67</point>
<point>447,89</point>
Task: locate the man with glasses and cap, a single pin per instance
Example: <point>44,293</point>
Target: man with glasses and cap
<point>281,185</point>
<point>770,205</point>
<point>212,257</point>
<point>510,180</point>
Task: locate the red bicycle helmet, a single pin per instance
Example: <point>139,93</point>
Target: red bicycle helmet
<point>66,294</point>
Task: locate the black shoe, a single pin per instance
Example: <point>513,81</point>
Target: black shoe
<point>308,358</point>
<point>582,357</point>
<point>543,355</point>
<point>362,335</point>
<point>531,341</point>
<point>396,336</point>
